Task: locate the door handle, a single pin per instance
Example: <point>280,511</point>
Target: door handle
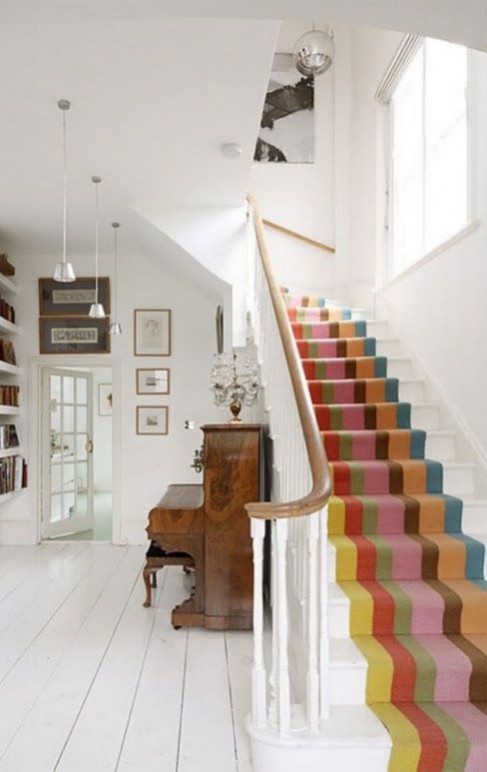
<point>89,446</point>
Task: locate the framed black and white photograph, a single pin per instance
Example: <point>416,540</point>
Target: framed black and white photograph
<point>152,420</point>
<point>105,399</point>
<point>71,335</point>
<point>152,332</point>
<point>287,128</point>
<point>151,381</point>
<point>73,299</point>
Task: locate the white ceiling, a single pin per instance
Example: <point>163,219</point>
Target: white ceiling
<point>458,20</point>
<point>152,101</point>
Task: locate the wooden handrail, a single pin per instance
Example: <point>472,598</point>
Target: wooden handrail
<point>320,471</point>
<point>300,236</point>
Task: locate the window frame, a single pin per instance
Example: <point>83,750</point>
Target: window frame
<point>384,94</point>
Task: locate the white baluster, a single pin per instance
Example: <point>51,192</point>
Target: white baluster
<point>324,631</point>
<point>259,697</point>
<point>284,698</point>
<point>313,681</point>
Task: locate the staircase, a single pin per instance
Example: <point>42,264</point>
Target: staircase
<point>402,612</point>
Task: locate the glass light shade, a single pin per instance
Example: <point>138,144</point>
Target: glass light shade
<point>115,328</point>
<point>64,272</point>
<point>97,311</point>
<point>314,52</point>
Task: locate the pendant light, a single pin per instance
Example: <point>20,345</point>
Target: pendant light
<point>115,327</point>
<point>64,271</point>
<point>96,311</point>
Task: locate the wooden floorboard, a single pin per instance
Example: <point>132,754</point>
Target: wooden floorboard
<point>92,681</point>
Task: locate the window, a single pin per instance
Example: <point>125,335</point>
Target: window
<point>429,185</point>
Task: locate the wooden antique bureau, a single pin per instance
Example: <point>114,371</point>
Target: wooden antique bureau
<point>206,527</point>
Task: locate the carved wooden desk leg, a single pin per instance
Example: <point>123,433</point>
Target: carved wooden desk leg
<point>146,574</point>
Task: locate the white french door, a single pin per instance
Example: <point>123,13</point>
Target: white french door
<point>67,452</point>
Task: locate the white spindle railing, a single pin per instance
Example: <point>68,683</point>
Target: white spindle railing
<point>297,665</point>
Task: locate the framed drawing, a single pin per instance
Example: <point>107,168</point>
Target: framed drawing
<point>152,420</point>
<point>71,335</point>
<point>153,381</point>
<point>73,299</point>
<point>105,399</point>
<point>152,332</point>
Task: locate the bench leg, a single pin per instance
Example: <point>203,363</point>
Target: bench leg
<point>146,574</point>
<point>154,580</point>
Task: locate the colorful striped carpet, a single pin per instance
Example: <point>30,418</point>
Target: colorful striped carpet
<point>415,582</point>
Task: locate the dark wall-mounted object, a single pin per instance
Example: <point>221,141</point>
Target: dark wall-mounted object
<point>219,329</point>
<point>73,299</point>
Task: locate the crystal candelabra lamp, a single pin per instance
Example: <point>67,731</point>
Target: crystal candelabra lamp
<point>233,387</point>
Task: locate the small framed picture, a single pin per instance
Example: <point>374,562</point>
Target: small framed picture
<point>152,420</point>
<point>72,335</point>
<point>105,399</point>
<point>73,299</point>
<point>152,332</point>
<point>153,381</point>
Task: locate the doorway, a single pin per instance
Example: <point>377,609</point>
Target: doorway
<point>76,453</point>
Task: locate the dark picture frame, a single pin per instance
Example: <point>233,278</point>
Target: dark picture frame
<point>57,299</point>
<point>92,334</point>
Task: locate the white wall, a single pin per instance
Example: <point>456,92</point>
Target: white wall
<point>102,436</point>
<point>301,196</point>
<point>147,464</point>
<point>438,305</point>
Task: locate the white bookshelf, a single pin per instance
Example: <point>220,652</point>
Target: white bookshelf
<point>7,374</point>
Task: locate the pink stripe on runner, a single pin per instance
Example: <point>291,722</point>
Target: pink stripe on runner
<point>353,417</point>
<point>474,723</point>
<point>406,556</point>
<point>453,668</point>
<point>376,478</point>
<point>390,515</point>
<point>335,370</point>
<point>427,607</point>
<point>344,393</point>
<point>363,446</point>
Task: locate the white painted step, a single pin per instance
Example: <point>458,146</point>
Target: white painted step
<point>352,739</point>
<point>440,445</point>
<point>389,347</point>
<point>412,390</point>
<point>359,314</point>
<point>425,416</point>
<point>474,517</point>
<point>400,367</point>
<point>459,478</point>
<point>377,328</point>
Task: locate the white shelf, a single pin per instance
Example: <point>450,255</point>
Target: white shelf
<point>9,327</point>
<point>7,496</point>
<point>9,369</point>
<point>16,451</point>
<point>9,410</point>
<point>7,285</point>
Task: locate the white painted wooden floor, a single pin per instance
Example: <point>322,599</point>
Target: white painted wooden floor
<point>90,681</point>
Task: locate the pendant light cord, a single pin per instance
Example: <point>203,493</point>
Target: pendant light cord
<point>65,189</point>
<point>97,229</point>
<point>115,256</point>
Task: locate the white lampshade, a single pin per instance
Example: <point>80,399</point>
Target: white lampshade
<point>64,272</point>
<point>97,311</point>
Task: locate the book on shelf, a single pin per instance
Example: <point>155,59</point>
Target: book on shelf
<point>7,311</point>
<point>7,352</point>
<point>10,396</point>
<point>8,436</point>
<point>13,474</point>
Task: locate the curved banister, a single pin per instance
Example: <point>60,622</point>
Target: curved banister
<point>320,491</point>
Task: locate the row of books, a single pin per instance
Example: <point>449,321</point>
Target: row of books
<point>7,311</point>
<point>13,474</point>
<point>10,395</point>
<point>7,353</point>
<point>8,436</point>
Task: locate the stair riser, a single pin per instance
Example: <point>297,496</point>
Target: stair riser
<point>425,417</point>
<point>441,447</point>
<point>377,329</point>
<point>474,518</point>
<point>459,482</point>
<point>348,684</point>
<point>389,348</point>
<point>412,392</point>
<point>340,754</point>
<point>400,368</point>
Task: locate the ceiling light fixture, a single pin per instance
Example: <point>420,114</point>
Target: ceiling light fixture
<point>314,52</point>
<point>231,150</point>
<point>96,311</point>
<point>64,271</point>
<point>115,327</point>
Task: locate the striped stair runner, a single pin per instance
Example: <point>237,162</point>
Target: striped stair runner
<point>415,582</point>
